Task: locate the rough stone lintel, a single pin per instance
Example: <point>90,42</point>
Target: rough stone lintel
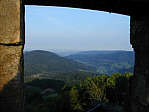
<point>146,1</point>
<point>114,6</point>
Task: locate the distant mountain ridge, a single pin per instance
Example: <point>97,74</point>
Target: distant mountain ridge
<point>64,52</point>
<point>106,61</point>
<point>101,52</point>
<point>101,62</point>
<point>39,61</point>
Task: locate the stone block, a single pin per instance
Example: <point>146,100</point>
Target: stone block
<point>9,63</point>
<point>10,21</point>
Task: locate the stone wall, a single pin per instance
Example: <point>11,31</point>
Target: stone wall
<point>126,7</point>
<point>140,83</point>
<point>12,43</point>
<point>11,55</point>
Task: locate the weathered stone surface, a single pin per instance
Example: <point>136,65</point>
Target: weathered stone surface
<point>140,43</point>
<point>10,21</point>
<point>11,55</point>
<point>11,83</point>
<point>9,63</point>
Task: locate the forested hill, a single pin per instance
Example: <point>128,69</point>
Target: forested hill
<point>40,61</point>
<point>106,61</point>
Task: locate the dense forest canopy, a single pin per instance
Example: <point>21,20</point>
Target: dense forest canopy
<point>110,91</point>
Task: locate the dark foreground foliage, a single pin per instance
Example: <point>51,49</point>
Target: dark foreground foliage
<point>57,96</point>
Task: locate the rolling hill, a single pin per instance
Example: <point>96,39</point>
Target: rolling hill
<point>106,61</point>
<point>39,61</point>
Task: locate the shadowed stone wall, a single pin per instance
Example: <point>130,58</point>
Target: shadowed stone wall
<point>11,55</point>
<point>140,83</point>
<point>127,7</point>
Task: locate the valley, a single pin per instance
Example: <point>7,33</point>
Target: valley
<point>77,82</point>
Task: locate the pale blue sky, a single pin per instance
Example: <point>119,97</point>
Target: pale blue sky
<point>75,29</point>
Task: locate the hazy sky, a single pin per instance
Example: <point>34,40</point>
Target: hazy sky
<point>75,29</point>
